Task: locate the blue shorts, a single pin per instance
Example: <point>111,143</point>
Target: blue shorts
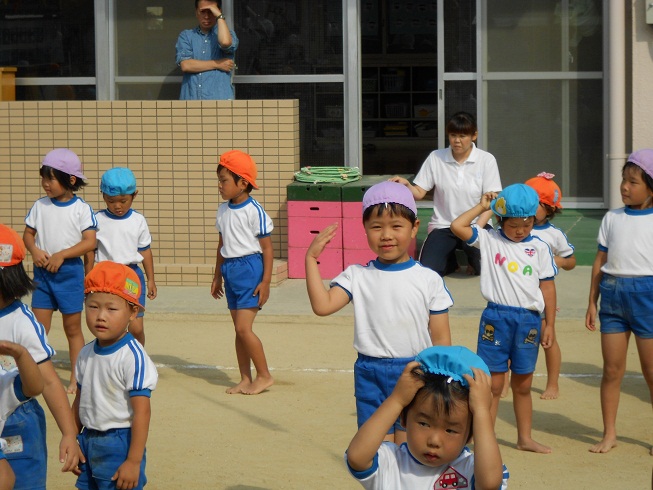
<point>627,305</point>
<point>143,296</point>
<point>509,333</point>
<point>27,451</point>
<point>374,380</point>
<point>62,290</point>
<point>241,277</point>
<point>105,452</point>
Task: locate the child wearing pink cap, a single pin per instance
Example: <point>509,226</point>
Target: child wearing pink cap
<point>622,275</point>
<point>25,428</point>
<point>400,306</point>
<point>60,229</point>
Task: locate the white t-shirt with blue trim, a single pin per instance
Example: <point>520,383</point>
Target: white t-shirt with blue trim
<point>555,238</point>
<point>392,306</point>
<point>242,226</point>
<point>121,238</point>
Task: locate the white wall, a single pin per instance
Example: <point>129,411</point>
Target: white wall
<point>642,77</point>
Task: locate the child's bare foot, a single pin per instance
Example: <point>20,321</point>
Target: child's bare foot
<point>258,386</point>
<point>533,446</point>
<point>550,393</point>
<point>244,384</point>
<point>72,387</point>
<point>605,445</point>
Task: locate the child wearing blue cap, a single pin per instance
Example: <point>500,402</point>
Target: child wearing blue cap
<point>622,275</point>
<point>444,399</point>
<point>400,306</point>
<point>124,237</point>
<point>517,275</point>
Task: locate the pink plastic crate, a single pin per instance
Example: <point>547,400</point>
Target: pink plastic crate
<point>318,209</point>
<point>302,231</point>
<point>329,264</point>
<point>361,256</point>
<point>353,233</point>
<point>353,210</point>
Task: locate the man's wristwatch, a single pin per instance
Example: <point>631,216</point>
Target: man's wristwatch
<point>221,16</point>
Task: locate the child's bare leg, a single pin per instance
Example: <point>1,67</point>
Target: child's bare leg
<point>553,358</point>
<point>498,380</point>
<point>244,366</point>
<point>72,326</point>
<point>244,322</point>
<point>523,405</point>
<point>506,383</point>
<point>44,317</point>
<point>136,329</point>
<point>645,350</point>
<point>7,477</point>
<point>614,347</point>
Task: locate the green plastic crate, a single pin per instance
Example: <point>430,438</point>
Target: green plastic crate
<point>353,191</point>
<point>302,191</point>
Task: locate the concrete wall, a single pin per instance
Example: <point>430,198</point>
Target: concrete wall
<point>642,77</point>
<point>173,148</point>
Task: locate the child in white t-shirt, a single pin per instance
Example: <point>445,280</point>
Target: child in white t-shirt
<point>400,306</point>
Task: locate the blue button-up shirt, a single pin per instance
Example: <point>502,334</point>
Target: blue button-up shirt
<point>211,84</point>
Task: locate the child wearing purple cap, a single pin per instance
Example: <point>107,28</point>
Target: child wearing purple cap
<point>124,237</point>
<point>400,306</point>
<point>60,229</point>
<point>622,275</point>
<point>443,398</point>
<point>517,272</point>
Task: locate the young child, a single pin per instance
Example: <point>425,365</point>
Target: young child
<point>124,237</point>
<point>622,274</point>
<point>443,399</point>
<point>115,379</point>
<point>25,429</point>
<point>517,275</point>
<point>400,306</point>
<point>244,261</point>
<point>563,254</point>
<point>16,386</point>
<point>60,229</point>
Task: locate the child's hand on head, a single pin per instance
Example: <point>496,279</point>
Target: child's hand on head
<point>399,180</point>
<point>321,240</point>
<point>486,199</point>
<point>407,385</point>
<point>480,390</point>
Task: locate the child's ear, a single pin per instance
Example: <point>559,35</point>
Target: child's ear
<point>134,194</point>
<point>73,179</point>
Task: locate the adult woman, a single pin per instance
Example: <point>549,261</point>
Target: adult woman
<point>459,176</point>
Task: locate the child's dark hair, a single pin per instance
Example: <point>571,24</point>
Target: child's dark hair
<point>236,177</point>
<point>14,282</point>
<point>62,177</point>
<point>551,211</point>
<point>219,2</point>
<point>461,123</point>
<point>444,393</point>
<point>393,208</point>
<point>648,180</point>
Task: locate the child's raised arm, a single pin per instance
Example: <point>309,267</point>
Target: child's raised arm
<point>417,191</point>
<point>365,444</point>
<point>488,467</point>
<point>462,225</point>
<point>323,301</point>
<point>30,375</point>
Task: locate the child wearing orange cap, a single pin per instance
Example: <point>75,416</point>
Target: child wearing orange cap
<point>244,262</point>
<point>563,254</point>
<point>16,387</point>
<point>115,378</point>
<point>25,429</point>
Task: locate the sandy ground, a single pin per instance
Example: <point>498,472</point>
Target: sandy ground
<point>294,435</point>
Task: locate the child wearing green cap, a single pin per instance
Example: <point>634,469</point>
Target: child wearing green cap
<point>517,275</point>
<point>124,237</point>
<point>443,398</point>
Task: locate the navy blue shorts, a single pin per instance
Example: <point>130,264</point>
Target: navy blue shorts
<point>627,305</point>
<point>509,333</point>
<point>27,451</point>
<point>62,290</point>
<point>143,296</point>
<point>105,452</point>
<point>241,277</point>
<point>374,380</point>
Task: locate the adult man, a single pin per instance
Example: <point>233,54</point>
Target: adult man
<point>206,54</point>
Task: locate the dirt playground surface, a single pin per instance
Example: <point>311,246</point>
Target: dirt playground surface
<point>294,435</point>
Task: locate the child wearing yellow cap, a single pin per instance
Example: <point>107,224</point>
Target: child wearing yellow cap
<point>115,378</point>
<point>244,263</point>
<point>25,428</point>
